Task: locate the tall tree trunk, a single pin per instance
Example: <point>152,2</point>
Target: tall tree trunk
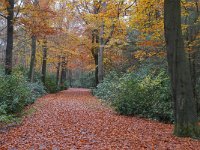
<point>197,47</point>
<point>96,69</point>
<point>70,77</point>
<point>100,55</point>
<point>101,48</point>
<point>58,72</point>
<point>192,62</point>
<point>32,62</point>
<point>33,50</point>
<point>185,108</point>
<point>191,36</point>
<point>95,42</point>
<point>63,72</point>
<point>44,62</point>
<point>95,48</point>
<point>10,30</point>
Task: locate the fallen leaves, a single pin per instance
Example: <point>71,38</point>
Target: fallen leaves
<point>74,119</point>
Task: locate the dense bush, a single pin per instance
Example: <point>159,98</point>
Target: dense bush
<point>16,92</point>
<point>87,80</point>
<point>37,89</point>
<point>51,85</point>
<point>65,86</point>
<point>144,93</point>
<point>110,87</point>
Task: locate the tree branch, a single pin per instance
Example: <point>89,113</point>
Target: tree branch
<point>3,16</point>
<point>111,34</point>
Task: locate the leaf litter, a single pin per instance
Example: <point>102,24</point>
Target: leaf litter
<point>76,120</point>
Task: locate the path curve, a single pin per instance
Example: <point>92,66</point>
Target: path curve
<point>74,119</point>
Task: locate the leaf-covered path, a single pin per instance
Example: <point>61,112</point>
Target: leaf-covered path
<point>74,119</point>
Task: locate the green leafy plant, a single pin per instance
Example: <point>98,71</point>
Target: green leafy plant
<point>16,93</point>
<point>144,93</point>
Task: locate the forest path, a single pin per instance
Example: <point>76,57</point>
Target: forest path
<point>74,119</point>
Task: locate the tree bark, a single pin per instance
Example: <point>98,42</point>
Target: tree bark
<point>10,31</point>
<point>101,48</point>
<point>100,55</point>
<point>58,72</point>
<point>63,72</point>
<point>32,62</point>
<point>192,36</point>
<point>33,51</point>
<point>95,43</point>
<point>95,48</point>
<point>96,69</point>
<point>70,77</point>
<point>44,62</point>
<point>185,108</point>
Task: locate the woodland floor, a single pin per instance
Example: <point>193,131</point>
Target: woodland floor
<point>74,119</point>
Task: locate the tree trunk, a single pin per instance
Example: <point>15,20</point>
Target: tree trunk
<point>185,108</point>
<point>44,62</point>
<point>100,64</point>
<point>100,55</point>
<point>70,77</point>
<point>95,42</point>
<point>63,73</point>
<point>10,30</point>
<point>58,72</point>
<point>33,51</point>
<point>96,70</point>
<point>32,63</point>
<point>95,48</point>
<point>101,48</point>
<point>192,36</point>
<point>192,62</point>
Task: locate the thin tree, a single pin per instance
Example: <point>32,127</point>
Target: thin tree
<point>102,44</point>
<point>185,107</point>
<point>44,61</point>
<point>33,50</point>
<point>32,62</point>
<point>58,71</point>
<point>63,72</point>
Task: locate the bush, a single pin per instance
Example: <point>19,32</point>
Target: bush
<point>110,86</point>
<point>87,80</point>
<point>37,90</point>
<point>1,70</point>
<point>50,84</point>
<point>144,93</point>
<point>16,92</point>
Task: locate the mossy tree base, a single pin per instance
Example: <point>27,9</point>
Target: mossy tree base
<point>187,130</point>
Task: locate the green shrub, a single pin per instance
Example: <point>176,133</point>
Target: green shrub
<point>37,90</point>
<point>144,93</point>
<point>110,86</point>
<point>87,80</point>
<point>148,97</point>
<point>16,92</point>
<point>65,86</point>
<point>50,84</point>
<point>1,70</point>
